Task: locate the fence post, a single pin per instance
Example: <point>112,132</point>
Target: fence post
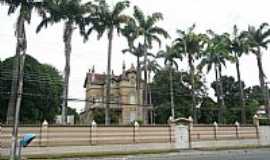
<point>215,130</point>
<point>90,134</point>
<point>170,132</point>
<point>94,132</point>
<point>135,128</point>
<point>44,134</point>
<point>237,125</point>
<point>256,123</point>
<point>190,126</point>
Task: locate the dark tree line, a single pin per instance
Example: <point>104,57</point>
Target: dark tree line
<point>42,90</point>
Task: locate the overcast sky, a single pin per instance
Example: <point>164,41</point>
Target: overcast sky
<point>218,15</point>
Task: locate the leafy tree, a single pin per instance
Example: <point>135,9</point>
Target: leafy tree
<point>208,111</point>
<point>259,39</point>
<point>108,19</point>
<point>181,91</point>
<point>191,45</point>
<point>216,54</point>
<point>42,91</point>
<point>232,95</point>
<point>169,55</point>
<point>71,13</point>
<point>25,13</point>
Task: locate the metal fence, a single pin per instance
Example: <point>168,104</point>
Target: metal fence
<point>223,132</point>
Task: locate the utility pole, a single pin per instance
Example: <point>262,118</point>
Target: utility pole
<point>267,106</point>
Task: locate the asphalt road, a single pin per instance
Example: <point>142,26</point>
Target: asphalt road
<point>252,154</point>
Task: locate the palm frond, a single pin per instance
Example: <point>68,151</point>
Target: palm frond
<point>120,7</point>
<point>139,15</point>
<point>159,31</point>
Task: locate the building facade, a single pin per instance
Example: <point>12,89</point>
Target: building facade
<point>125,104</point>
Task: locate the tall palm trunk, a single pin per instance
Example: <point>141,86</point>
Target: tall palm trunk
<point>68,30</point>
<point>145,88</point>
<point>138,89</point>
<point>145,73</point>
<point>191,72</point>
<point>149,87</point>
<point>150,96</point>
<point>108,80</point>
<point>262,81</point>
<point>14,85</point>
<point>21,49</point>
<point>221,95</point>
<point>242,96</point>
<point>171,93</point>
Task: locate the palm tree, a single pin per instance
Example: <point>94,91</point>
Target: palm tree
<point>191,45</point>
<point>25,13</point>
<point>108,19</point>
<point>239,46</point>
<point>259,39</point>
<point>152,67</point>
<point>150,32</point>
<point>131,33</point>
<point>169,55</point>
<point>216,54</point>
<point>70,12</point>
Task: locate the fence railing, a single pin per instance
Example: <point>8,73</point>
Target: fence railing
<point>223,132</point>
<point>56,135</point>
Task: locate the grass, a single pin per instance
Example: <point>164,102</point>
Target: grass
<point>125,153</point>
<point>95,154</point>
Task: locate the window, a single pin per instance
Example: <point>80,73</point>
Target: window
<point>132,98</point>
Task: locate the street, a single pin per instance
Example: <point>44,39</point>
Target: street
<point>250,154</point>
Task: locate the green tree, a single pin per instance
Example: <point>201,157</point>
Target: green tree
<point>169,56</point>
<point>108,19</point>
<point>150,32</point>
<point>239,46</point>
<point>25,13</point>
<point>259,39</point>
<point>232,95</point>
<point>161,94</point>
<point>42,91</point>
<point>191,45</point>
<point>71,13</point>
<point>216,54</point>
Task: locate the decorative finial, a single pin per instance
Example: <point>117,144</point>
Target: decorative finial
<point>93,69</point>
<point>124,66</point>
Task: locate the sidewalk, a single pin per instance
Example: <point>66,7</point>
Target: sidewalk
<point>72,151</point>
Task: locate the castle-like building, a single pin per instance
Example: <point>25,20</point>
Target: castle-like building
<point>125,104</point>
